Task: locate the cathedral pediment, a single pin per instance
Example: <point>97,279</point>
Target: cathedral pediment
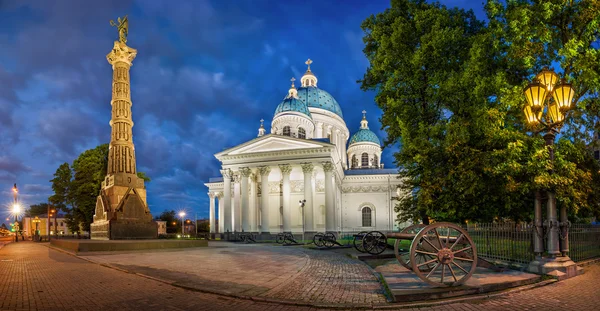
<point>273,143</point>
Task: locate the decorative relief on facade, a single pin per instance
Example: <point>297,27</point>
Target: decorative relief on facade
<point>227,173</point>
<point>274,187</point>
<point>361,188</point>
<point>328,166</point>
<point>245,171</point>
<point>237,178</point>
<point>219,195</point>
<point>286,169</point>
<point>259,189</point>
<point>320,185</point>
<point>297,185</point>
<point>211,195</point>
<point>264,170</point>
<point>307,167</point>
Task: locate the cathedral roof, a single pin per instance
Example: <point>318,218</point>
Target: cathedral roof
<point>293,104</point>
<point>364,135</point>
<point>317,98</point>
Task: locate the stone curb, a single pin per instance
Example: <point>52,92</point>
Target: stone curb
<point>388,306</point>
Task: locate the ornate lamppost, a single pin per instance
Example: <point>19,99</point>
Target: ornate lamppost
<point>548,102</point>
<point>182,214</point>
<point>16,211</point>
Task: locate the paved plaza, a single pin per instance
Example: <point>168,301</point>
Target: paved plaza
<point>35,277</point>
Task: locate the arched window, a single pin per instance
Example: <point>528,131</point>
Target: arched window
<point>375,161</point>
<point>364,160</point>
<point>354,161</point>
<point>286,131</point>
<point>366,216</point>
<point>301,133</point>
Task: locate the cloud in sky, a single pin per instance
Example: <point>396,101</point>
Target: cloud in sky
<point>205,74</point>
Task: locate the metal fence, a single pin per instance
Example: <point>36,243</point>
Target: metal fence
<point>513,242</point>
<point>584,242</point>
<point>507,241</point>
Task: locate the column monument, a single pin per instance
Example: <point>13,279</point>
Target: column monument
<point>121,208</point>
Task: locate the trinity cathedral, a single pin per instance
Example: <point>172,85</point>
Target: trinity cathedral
<point>308,175</point>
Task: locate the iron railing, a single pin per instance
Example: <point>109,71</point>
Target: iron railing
<point>584,242</point>
<point>510,242</point>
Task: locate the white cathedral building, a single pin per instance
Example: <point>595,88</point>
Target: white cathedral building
<point>305,176</point>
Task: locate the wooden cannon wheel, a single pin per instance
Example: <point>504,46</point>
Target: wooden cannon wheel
<point>452,252</point>
<point>374,242</point>
<point>358,239</point>
<point>404,258</point>
<point>318,240</point>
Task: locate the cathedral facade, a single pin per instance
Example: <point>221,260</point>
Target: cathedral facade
<point>307,175</point>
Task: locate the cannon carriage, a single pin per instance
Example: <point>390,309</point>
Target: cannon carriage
<point>441,254</point>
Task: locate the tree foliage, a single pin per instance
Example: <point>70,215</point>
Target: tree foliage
<point>37,209</point>
<point>76,187</point>
<point>450,87</point>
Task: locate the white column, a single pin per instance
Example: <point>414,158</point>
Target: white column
<point>309,224</point>
<point>264,198</point>
<point>286,169</point>
<point>237,207</point>
<point>211,211</point>
<point>227,212</point>
<point>245,173</point>
<point>221,208</point>
<point>253,203</point>
<point>319,130</point>
<point>329,197</point>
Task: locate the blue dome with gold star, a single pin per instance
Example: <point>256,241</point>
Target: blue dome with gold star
<point>364,135</point>
<point>317,98</point>
<point>291,104</point>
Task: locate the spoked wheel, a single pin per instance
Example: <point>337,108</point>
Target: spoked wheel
<point>318,239</point>
<point>452,252</point>
<point>358,241</point>
<point>404,257</point>
<point>279,239</point>
<point>375,242</point>
<point>329,239</point>
<point>243,237</point>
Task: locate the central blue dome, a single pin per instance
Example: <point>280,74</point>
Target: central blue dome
<point>317,98</point>
<point>293,104</point>
<point>364,135</point>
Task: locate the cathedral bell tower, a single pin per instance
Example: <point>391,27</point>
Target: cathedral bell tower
<point>121,208</point>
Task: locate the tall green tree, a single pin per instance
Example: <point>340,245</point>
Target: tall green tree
<point>89,169</point>
<point>450,87</point>
<point>61,185</point>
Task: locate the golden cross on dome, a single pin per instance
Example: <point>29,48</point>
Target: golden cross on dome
<point>293,79</point>
<point>261,122</point>
<point>308,62</point>
<point>364,112</point>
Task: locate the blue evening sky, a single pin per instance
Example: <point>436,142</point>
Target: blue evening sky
<point>205,74</point>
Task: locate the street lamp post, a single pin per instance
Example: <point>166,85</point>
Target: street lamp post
<point>16,210</point>
<point>302,203</point>
<point>548,102</point>
<point>36,221</point>
<point>182,214</point>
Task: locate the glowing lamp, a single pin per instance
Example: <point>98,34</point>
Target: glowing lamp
<point>532,119</point>
<point>548,78</point>
<point>16,209</point>
<point>555,114</point>
<point>536,94</point>
<point>563,96</point>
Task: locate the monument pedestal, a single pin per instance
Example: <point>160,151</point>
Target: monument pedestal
<point>128,217</point>
<point>559,267</point>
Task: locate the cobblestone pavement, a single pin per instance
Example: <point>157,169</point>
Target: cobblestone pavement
<point>278,272</point>
<point>34,277</point>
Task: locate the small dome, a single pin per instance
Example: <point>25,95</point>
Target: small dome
<point>364,135</point>
<point>292,104</point>
<point>317,98</point>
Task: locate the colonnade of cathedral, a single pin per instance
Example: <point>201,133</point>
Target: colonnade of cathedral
<point>240,198</point>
